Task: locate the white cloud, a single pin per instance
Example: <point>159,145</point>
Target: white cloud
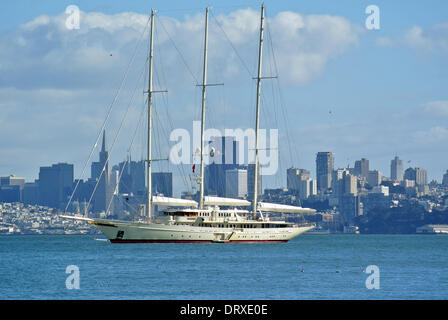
<point>436,108</point>
<point>44,47</point>
<point>306,43</point>
<point>434,39</point>
<point>56,84</point>
<point>434,135</point>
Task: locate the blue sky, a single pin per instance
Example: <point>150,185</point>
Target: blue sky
<point>349,90</point>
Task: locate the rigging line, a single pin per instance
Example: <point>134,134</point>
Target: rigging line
<point>282,105</point>
<point>116,136</point>
<point>180,54</point>
<point>182,169</point>
<point>160,129</point>
<point>157,134</point>
<point>164,132</point>
<point>170,121</point>
<point>161,75</point>
<point>129,152</point>
<point>156,122</point>
<point>109,112</point>
<point>231,44</point>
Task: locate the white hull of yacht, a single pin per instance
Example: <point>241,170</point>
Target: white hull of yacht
<point>134,232</point>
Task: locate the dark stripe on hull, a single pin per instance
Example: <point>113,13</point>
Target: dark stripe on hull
<point>194,241</point>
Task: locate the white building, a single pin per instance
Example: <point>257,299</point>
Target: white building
<point>236,183</point>
<point>307,188</point>
<point>381,189</point>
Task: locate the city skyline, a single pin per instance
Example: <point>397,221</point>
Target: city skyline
<point>54,90</point>
<point>134,173</point>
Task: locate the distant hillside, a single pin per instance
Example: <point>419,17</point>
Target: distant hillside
<point>399,220</point>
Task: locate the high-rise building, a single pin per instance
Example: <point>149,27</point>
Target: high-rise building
<point>12,180</point>
<point>294,176</point>
<point>344,182</point>
<point>215,179</point>
<point>101,173</point>
<point>225,151</point>
<point>324,170</point>
<point>84,190</point>
<point>307,188</point>
<point>236,183</point>
<point>55,185</point>
<point>299,182</point>
<point>10,193</point>
<point>350,184</point>
<point>374,178</point>
<point>30,193</point>
<point>362,168</point>
<point>337,181</point>
<point>409,174</point>
<point>350,206</point>
<point>313,187</point>
<point>419,175</point>
<point>445,179</point>
<point>396,169</point>
<point>11,188</point>
<point>224,158</point>
<point>162,183</point>
<point>132,177</point>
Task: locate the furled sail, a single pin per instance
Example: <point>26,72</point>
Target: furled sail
<point>173,202</point>
<point>219,201</point>
<point>274,207</point>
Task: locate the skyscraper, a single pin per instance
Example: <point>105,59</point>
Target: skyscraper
<point>30,193</point>
<point>374,178</point>
<point>350,184</point>
<point>11,188</point>
<point>419,175</point>
<point>299,182</point>
<point>294,176</point>
<point>101,173</point>
<point>396,169</point>
<point>343,182</point>
<point>445,179</point>
<point>337,181</point>
<point>362,168</point>
<point>55,185</point>
<point>224,158</point>
<point>324,170</point>
<point>162,183</point>
<point>236,183</point>
<point>132,177</point>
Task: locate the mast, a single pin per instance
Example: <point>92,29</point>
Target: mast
<point>257,121</point>
<point>204,94</point>
<point>148,160</point>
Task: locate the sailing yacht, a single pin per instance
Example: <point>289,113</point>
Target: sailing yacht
<point>206,221</point>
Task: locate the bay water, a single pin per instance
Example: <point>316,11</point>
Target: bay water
<point>307,267</point>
